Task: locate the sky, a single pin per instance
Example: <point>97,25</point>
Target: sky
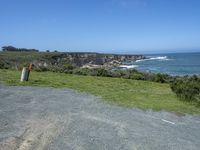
<point>120,26</point>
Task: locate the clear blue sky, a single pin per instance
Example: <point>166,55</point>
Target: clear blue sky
<point>101,25</point>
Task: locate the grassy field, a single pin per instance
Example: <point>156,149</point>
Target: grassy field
<point>124,92</point>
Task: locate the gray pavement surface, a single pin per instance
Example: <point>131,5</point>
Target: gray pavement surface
<point>63,119</point>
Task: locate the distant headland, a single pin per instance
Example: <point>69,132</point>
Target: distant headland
<point>12,57</point>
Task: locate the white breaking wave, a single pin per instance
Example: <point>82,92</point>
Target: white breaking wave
<point>128,66</point>
<point>161,58</point>
<point>158,58</point>
<point>140,60</point>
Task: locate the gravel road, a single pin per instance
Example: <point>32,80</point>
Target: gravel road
<point>63,119</point>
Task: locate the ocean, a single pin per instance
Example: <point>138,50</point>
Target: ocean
<point>173,64</point>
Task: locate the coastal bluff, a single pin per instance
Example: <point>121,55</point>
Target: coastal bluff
<point>78,59</point>
<point>83,58</point>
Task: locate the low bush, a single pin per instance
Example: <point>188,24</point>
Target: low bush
<point>41,69</point>
<point>162,78</point>
<point>187,88</point>
<point>137,76</point>
<point>4,65</point>
<point>126,74</point>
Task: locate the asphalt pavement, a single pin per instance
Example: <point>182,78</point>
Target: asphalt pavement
<point>38,118</point>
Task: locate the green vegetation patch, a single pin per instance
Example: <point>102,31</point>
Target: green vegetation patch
<point>187,88</point>
<point>124,92</point>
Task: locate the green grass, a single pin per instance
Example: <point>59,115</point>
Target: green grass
<point>124,92</point>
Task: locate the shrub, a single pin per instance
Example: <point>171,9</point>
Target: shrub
<point>81,71</point>
<point>41,69</point>
<point>125,74</point>
<point>62,68</point>
<point>102,72</point>
<point>114,74</point>
<point>160,78</point>
<point>2,65</point>
<point>187,88</point>
<point>137,76</point>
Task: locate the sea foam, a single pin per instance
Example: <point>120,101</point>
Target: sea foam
<point>160,58</point>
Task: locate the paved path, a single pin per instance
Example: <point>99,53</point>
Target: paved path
<point>46,118</point>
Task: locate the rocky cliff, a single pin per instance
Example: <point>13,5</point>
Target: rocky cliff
<point>45,59</point>
<point>81,59</point>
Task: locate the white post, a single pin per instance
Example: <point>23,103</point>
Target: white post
<point>24,75</point>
